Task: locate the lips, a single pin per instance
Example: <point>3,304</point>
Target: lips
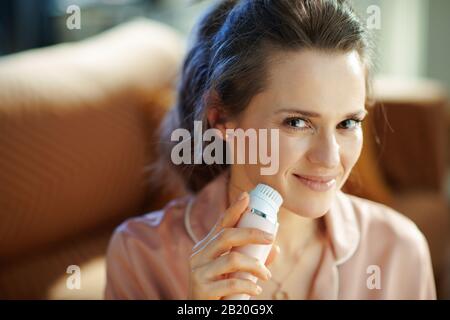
<point>317,183</point>
<point>317,178</point>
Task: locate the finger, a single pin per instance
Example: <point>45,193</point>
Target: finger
<point>235,211</point>
<point>232,286</point>
<point>232,262</point>
<point>228,238</point>
<point>274,252</point>
<point>228,219</point>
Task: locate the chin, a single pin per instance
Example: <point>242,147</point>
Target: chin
<point>307,208</point>
<point>307,203</point>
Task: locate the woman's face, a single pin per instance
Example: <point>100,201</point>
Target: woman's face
<point>316,100</point>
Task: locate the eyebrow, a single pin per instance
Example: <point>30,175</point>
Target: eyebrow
<point>312,114</point>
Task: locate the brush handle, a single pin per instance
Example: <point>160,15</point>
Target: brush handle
<point>258,251</point>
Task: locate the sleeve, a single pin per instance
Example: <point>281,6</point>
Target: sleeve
<point>132,269</point>
<point>413,277</point>
<point>427,286</point>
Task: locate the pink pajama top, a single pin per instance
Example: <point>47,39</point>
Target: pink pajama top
<point>148,256</point>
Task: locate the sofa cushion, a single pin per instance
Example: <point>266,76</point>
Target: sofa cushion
<point>75,124</point>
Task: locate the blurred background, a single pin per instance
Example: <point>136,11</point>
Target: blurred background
<point>84,84</point>
<point>412,39</point>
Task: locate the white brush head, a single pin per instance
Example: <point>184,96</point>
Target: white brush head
<point>266,199</point>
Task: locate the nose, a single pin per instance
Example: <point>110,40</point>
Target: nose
<point>324,151</point>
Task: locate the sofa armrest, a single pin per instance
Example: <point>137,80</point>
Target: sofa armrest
<point>410,123</point>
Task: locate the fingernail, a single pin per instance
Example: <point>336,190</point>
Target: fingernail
<point>242,196</point>
<point>258,289</point>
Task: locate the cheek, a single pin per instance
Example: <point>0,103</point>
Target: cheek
<point>291,151</point>
<point>350,150</point>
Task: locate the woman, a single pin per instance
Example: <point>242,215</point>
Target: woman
<point>302,68</point>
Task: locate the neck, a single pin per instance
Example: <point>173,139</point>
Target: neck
<point>293,231</point>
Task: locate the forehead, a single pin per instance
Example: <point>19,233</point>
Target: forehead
<point>315,80</point>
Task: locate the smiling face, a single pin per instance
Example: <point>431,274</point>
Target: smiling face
<point>317,100</point>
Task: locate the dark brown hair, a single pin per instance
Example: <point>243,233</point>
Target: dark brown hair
<point>226,63</point>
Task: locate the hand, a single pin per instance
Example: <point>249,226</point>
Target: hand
<point>211,260</point>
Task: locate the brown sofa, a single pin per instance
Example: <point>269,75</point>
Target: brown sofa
<point>406,141</point>
<point>77,139</point>
<point>76,125</point>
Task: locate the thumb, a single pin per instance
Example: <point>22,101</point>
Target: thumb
<point>232,215</point>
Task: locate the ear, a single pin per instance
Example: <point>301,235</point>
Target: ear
<point>216,115</point>
<point>218,120</point>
